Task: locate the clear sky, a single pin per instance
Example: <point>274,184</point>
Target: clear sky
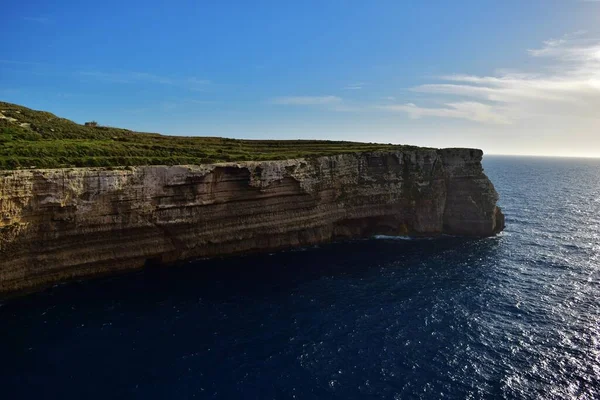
<point>507,76</point>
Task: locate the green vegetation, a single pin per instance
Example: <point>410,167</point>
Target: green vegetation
<point>39,139</point>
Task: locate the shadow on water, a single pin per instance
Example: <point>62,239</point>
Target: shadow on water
<point>310,319</point>
<point>266,274</point>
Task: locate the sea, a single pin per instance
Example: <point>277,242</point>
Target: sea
<point>515,316</point>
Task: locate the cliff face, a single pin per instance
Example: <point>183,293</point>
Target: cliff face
<point>65,223</point>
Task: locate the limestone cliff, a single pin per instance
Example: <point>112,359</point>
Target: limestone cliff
<point>65,223</point>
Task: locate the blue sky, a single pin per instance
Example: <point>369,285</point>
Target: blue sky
<point>511,77</point>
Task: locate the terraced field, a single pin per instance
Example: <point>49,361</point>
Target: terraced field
<point>39,139</point>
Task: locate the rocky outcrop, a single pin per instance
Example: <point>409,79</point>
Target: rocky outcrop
<point>67,223</point>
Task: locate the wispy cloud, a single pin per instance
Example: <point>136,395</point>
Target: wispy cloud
<point>10,91</point>
<point>306,100</point>
<point>465,110</point>
<point>28,63</point>
<point>193,101</point>
<point>195,84</point>
<point>39,20</point>
<point>127,77</point>
<point>168,105</point>
<point>172,106</point>
<point>354,86</point>
<point>569,84</point>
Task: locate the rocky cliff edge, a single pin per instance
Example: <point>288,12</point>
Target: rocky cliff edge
<point>61,224</point>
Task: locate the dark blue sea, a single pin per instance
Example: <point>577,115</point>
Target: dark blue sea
<point>511,317</point>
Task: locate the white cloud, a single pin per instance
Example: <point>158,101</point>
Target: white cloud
<point>306,100</point>
<point>568,85</point>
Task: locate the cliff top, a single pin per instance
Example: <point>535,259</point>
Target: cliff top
<point>39,139</point>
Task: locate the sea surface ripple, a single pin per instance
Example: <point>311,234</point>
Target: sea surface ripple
<point>515,316</point>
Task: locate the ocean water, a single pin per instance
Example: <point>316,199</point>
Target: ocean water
<point>515,316</point>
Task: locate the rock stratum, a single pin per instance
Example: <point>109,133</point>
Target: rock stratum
<point>60,224</point>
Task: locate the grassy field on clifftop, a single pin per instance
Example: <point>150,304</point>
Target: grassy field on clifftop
<point>39,139</point>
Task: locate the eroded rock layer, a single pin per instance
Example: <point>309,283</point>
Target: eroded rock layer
<point>65,223</point>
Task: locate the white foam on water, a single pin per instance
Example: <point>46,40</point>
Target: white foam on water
<point>390,237</point>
